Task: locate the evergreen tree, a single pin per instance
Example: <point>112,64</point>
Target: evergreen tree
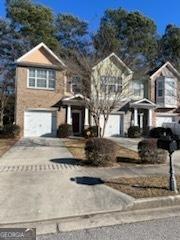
<point>170,45</point>
<point>12,46</point>
<point>71,33</point>
<point>130,34</point>
<point>33,21</point>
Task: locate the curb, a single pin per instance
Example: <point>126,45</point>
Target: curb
<point>141,210</point>
<point>156,202</point>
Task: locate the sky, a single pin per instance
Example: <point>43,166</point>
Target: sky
<point>163,12</point>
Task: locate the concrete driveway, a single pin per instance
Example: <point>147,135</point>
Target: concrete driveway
<point>40,181</point>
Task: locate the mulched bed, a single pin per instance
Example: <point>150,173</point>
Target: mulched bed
<point>143,187</point>
<point>6,144</point>
<point>125,157</point>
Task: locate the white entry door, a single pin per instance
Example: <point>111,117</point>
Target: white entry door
<point>114,126</point>
<point>39,123</point>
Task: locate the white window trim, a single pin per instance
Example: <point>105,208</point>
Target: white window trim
<point>107,84</point>
<point>40,88</point>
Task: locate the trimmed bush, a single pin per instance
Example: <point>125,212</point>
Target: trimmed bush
<point>10,131</point>
<point>134,132</point>
<point>65,130</point>
<point>150,153</point>
<point>159,132</point>
<point>100,151</point>
<point>90,132</point>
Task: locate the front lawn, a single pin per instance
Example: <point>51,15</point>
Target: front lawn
<point>125,156</point>
<point>6,144</point>
<point>143,187</point>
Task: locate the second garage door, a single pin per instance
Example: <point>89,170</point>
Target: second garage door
<point>163,119</point>
<point>39,123</point>
<point>114,125</point>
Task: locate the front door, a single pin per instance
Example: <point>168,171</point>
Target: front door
<point>76,122</point>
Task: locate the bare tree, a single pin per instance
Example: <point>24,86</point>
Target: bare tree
<point>12,45</point>
<point>6,89</point>
<point>104,85</point>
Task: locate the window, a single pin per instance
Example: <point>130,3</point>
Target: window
<point>160,88</point>
<point>170,87</point>
<point>111,84</point>
<point>138,88</point>
<point>76,84</point>
<point>41,78</point>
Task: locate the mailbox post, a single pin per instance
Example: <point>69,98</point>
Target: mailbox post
<point>167,143</point>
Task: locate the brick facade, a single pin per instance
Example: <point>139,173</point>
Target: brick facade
<point>29,98</point>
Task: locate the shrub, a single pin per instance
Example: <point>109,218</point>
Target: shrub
<point>150,153</point>
<point>134,132</point>
<point>100,151</point>
<point>10,131</point>
<point>159,132</point>
<point>65,130</point>
<point>91,132</point>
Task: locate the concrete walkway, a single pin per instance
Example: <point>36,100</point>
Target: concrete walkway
<point>130,143</point>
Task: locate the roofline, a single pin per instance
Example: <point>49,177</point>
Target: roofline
<point>38,47</point>
<point>141,100</point>
<point>114,55</point>
<point>75,96</point>
<point>164,65</point>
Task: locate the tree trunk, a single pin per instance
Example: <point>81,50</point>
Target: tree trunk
<point>104,125</point>
<point>1,114</point>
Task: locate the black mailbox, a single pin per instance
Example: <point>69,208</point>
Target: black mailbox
<point>167,143</point>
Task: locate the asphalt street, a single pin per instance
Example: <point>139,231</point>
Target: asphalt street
<point>164,229</point>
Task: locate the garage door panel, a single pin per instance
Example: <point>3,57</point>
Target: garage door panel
<point>160,120</point>
<point>38,124</point>
<point>113,126</point>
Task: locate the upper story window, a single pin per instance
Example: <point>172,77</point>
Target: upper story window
<point>42,78</point>
<point>166,91</point>
<point>111,84</point>
<point>170,87</point>
<point>138,89</point>
<point>160,88</point>
<point>76,85</point>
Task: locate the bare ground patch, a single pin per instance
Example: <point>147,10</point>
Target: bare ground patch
<point>143,187</point>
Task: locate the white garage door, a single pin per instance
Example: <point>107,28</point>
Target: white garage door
<point>114,125</point>
<point>163,119</point>
<point>39,123</point>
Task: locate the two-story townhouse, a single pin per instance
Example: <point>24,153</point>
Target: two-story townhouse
<point>40,78</point>
<point>164,91</point>
<point>46,97</point>
<point>111,75</point>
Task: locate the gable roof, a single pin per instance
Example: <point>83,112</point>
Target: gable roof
<point>143,103</point>
<point>41,45</point>
<point>167,64</point>
<point>77,96</point>
<point>114,56</point>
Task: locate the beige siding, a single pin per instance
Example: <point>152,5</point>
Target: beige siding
<point>40,56</point>
<point>108,67</point>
